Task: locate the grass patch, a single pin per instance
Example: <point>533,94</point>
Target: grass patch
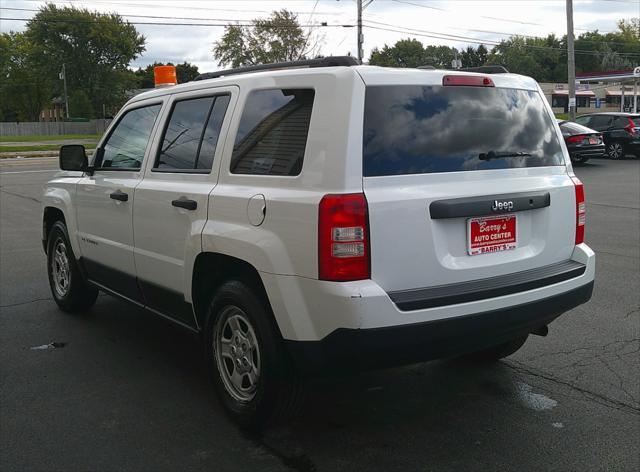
<point>562,116</point>
<point>41,147</point>
<point>45,137</point>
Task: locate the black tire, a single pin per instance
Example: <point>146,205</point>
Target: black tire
<point>498,352</point>
<point>75,294</point>
<point>579,159</point>
<point>615,150</point>
<point>278,390</point>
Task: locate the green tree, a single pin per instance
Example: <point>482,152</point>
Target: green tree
<point>185,72</point>
<point>412,53</point>
<point>439,57</point>
<point>404,53</point>
<point>544,59</point>
<point>80,105</point>
<point>618,50</point>
<point>278,38</point>
<point>96,49</point>
<point>474,57</point>
<point>24,90</point>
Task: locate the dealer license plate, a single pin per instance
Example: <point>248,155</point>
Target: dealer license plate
<point>491,234</point>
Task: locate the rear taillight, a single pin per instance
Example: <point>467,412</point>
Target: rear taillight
<point>578,138</point>
<point>631,127</point>
<point>581,210</point>
<point>343,239</point>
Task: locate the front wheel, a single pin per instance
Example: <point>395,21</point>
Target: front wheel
<point>68,287</point>
<point>251,371</point>
<point>615,150</point>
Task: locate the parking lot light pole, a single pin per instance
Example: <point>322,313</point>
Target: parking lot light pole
<point>571,63</point>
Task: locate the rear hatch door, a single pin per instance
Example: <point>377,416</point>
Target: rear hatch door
<point>463,183</point>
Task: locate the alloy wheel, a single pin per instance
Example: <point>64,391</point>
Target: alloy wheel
<point>615,151</point>
<point>61,272</point>
<point>237,352</point>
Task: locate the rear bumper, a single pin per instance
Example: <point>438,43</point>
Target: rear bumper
<point>356,349</point>
<point>587,151</point>
<point>358,324</point>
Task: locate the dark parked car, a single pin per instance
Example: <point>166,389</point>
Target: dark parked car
<point>583,143</point>
<point>621,132</point>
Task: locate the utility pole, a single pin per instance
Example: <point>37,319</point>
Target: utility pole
<point>63,76</point>
<point>360,37</point>
<point>571,62</point>
<point>362,4</point>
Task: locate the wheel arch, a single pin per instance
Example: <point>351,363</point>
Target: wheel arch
<point>211,270</point>
<point>50,215</point>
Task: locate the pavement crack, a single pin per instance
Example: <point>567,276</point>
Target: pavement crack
<point>598,251</point>
<point>26,303</point>
<point>603,347</point>
<point>613,206</point>
<point>297,462</point>
<point>619,378</point>
<point>635,310</point>
<point>597,397</point>
<point>19,195</point>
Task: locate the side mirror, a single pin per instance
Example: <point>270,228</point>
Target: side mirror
<point>73,157</point>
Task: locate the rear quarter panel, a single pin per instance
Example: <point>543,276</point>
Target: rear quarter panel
<point>286,242</point>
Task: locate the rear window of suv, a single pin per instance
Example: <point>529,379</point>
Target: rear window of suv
<point>425,129</point>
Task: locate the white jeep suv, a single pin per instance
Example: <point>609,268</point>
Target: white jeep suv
<point>322,215</point>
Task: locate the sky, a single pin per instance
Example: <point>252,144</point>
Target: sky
<point>457,23</point>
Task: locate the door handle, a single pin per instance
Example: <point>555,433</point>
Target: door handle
<point>185,203</point>
<point>119,195</point>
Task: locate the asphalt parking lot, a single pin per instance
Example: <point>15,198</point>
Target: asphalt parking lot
<point>128,391</point>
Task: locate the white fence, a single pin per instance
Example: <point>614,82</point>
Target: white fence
<point>53,128</point>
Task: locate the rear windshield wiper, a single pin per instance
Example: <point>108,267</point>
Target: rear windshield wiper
<point>499,155</point>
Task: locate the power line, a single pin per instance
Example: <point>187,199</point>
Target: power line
<point>509,20</point>
<point>496,41</point>
<point>502,33</point>
<point>155,6</point>
<point>449,37</point>
<point>378,25</point>
<point>127,15</point>
<point>155,23</point>
<point>250,22</point>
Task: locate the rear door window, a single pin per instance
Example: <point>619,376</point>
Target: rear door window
<point>191,135</point>
<point>425,129</point>
<point>272,135</point>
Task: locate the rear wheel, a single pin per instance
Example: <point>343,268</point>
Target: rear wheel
<point>69,289</point>
<point>498,352</point>
<point>615,150</point>
<point>251,371</point>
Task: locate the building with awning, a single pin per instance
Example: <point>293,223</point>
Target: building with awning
<point>624,94</point>
<point>560,97</point>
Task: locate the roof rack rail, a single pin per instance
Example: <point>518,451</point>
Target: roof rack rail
<point>487,69</point>
<point>330,61</point>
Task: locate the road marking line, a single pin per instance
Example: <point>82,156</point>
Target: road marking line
<point>28,171</point>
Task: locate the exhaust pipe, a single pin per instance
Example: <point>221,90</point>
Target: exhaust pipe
<point>541,331</point>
